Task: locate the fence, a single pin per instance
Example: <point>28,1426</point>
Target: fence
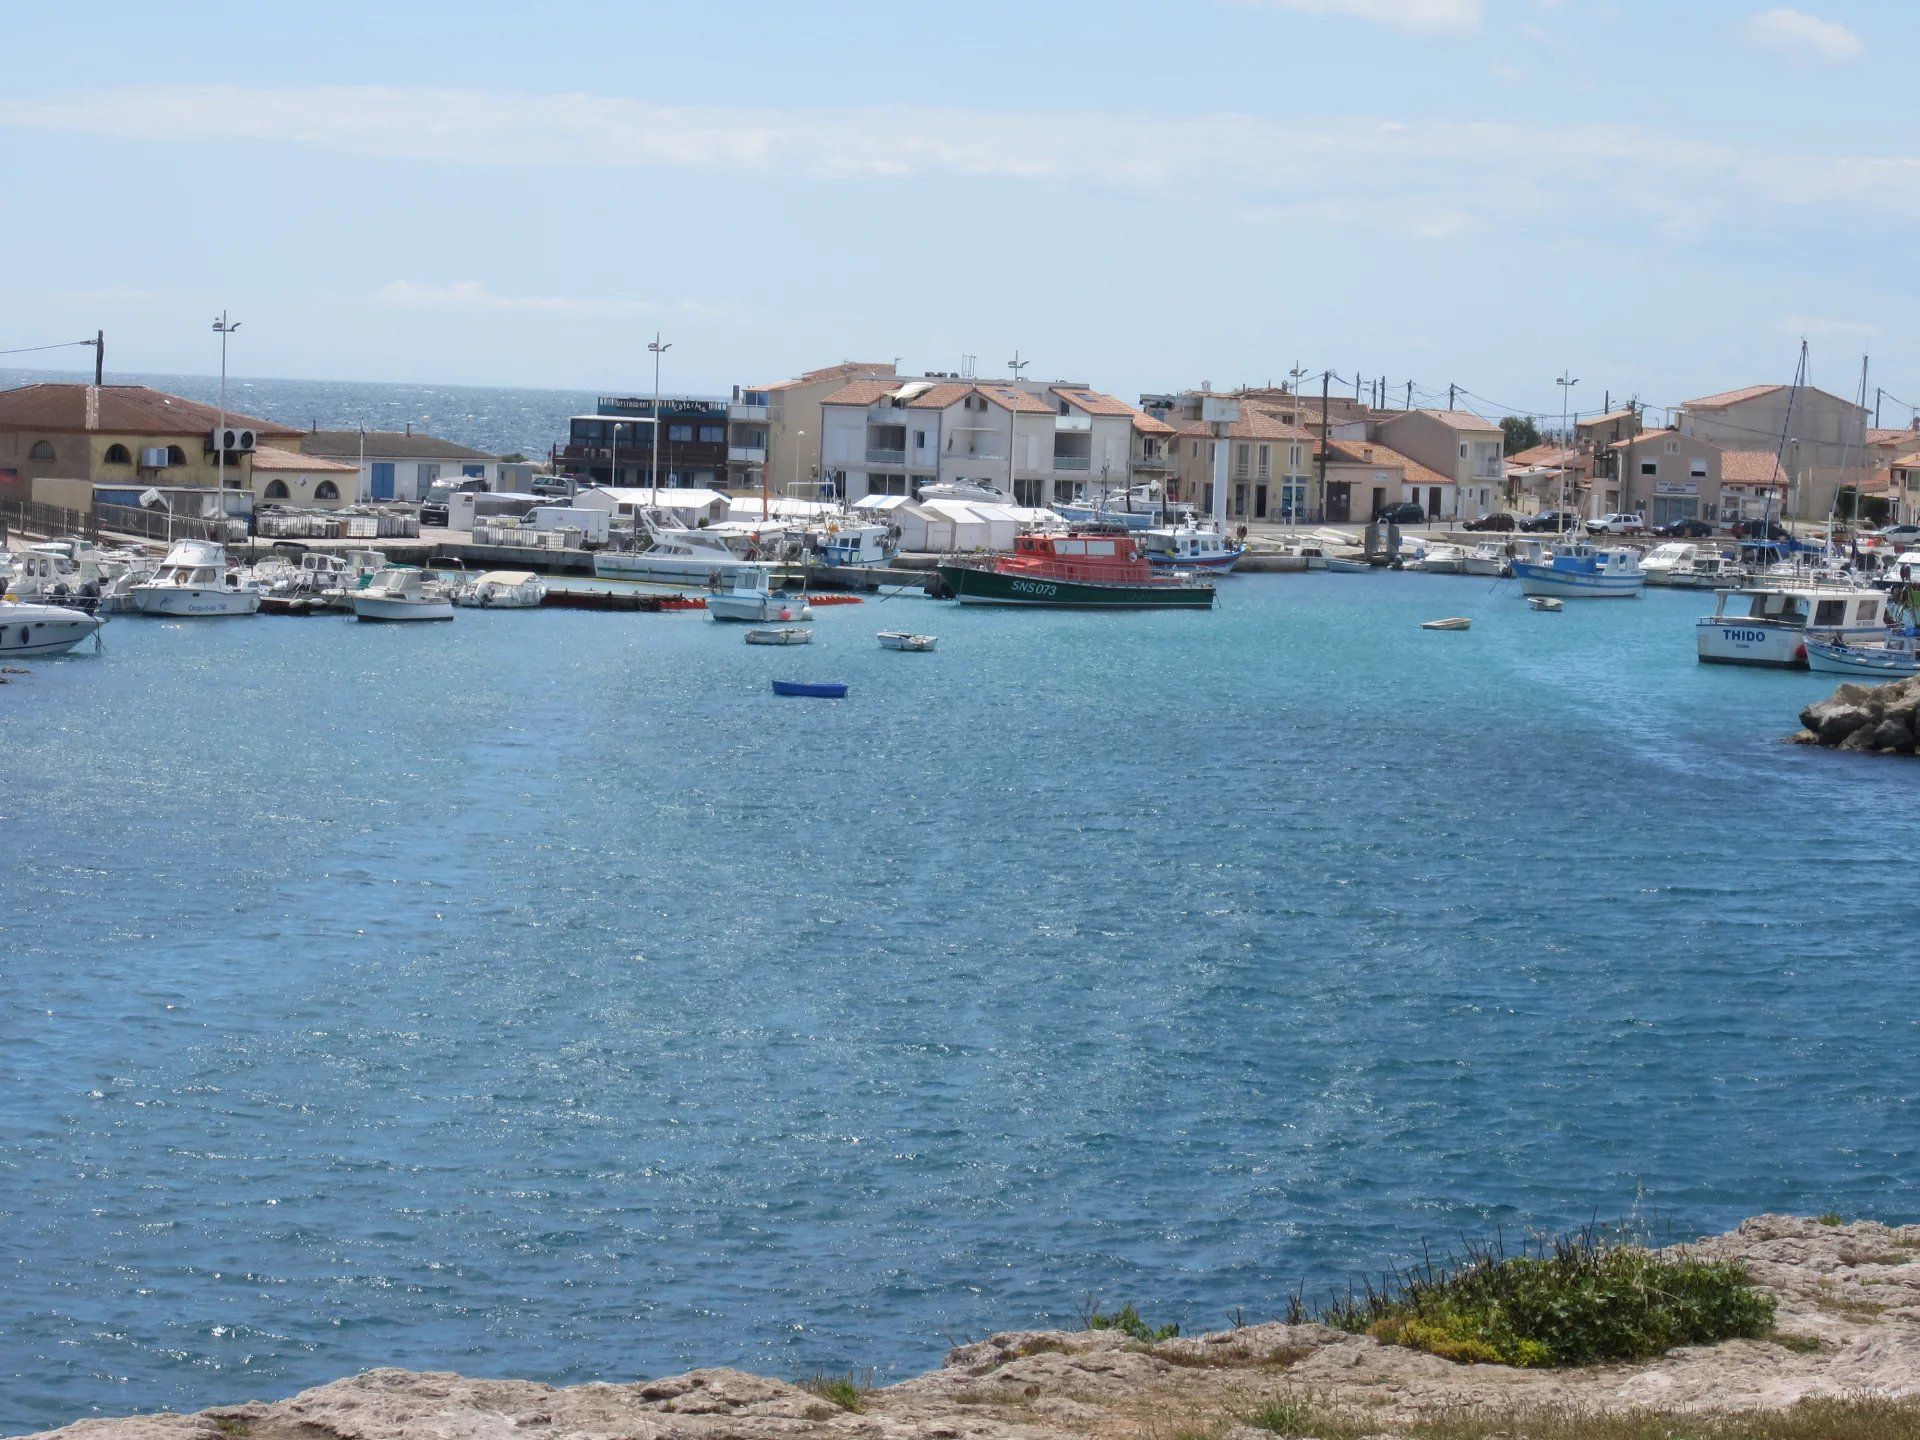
<point>56,520</point>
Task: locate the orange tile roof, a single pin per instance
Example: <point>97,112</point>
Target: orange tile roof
<point>1751,467</point>
<point>1253,424</point>
<point>863,392</point>
<point>1372,452</point>
<point>1608,418</point>
<point>846,370</point>
<point>1629,441</point>
<point>939,396</point>
<point>1459,419</point>
<point>118,410</point>
<point>1150,425</point>
<point>1909,462</point>
<point>1731,397</point>
<point>1576,458</point>
<point>1008,398</point>
<point>1092,401</point>
<point>271,457</point>
<point>1877,436</point>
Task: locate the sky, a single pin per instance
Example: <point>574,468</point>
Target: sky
<point>1660,200</point>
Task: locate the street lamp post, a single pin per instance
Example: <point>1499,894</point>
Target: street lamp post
<point>225,327</point>
<point>658,350</point>
<point>1013,417</point>
<point>1566,382</point>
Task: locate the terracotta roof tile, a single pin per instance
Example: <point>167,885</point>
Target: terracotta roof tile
<point>1608,418</point>
<point>1731,397</point>
<point>271,457</point>
<point>118,410</point>
<point>1372,452</point>
<point>1459,420</point>
<point>1751,467</point>
<point>1007,398</point>
<point>1253,424</point>
<point>1092,401</point>
<point>846,370</point>
<point>940,396</point>
<point>863,392</point>
<point>1150,425</point>
<point>1551,454</point>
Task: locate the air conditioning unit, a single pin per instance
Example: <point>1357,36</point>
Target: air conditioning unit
<point>154,457</point>
<point>232,438</point>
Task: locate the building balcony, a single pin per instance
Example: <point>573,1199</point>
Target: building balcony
<point>1073,462</point>
<point>1152,464</point>
<point>741,411</point>
<point>746,454</point>
<point>885,457</point>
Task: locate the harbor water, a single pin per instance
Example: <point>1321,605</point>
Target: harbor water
<point>537,995</point>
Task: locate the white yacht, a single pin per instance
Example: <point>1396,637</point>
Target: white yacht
<point>195,579</point>
<point>29,630</point>
<point>1659,563</point>
<point>1709,570</point>
<point>857,542</point>
<point>1766,624</point>
<point>1489,557</point>
<point>751,596</point>
<point>1441,559</point>
<point>676,556</point>
<point>401,592</point>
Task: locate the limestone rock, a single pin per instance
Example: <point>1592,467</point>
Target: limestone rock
<point>1854,1290</point>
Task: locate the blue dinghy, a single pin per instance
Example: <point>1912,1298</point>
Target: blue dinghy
<point>818,692</point>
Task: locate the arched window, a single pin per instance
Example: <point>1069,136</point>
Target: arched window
<point>116,455</point>
<point>276,489</point>
<point>175,455</point>
<point>326,490</point>
<point>42,450</point>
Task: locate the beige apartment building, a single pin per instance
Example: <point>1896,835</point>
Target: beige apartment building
<point>1465,451</point>
<point>1269,467</point>
<point>790,429</point>
<point>1826,436</point>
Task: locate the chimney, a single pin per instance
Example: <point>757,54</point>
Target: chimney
<point>409,427</point>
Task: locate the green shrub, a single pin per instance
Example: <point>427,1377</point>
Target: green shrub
<point>839,1389</point>
<point>1128,1322</point>
<point>1580,1300</point>
<point>1830,1218</point>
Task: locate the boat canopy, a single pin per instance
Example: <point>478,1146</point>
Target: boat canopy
<point>503,577</point>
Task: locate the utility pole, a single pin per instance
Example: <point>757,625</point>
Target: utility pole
<point>99,343</point>
<point>658,350</point>
<point>1452,390</point>
<point>1013,418</point>
<point>1566,383</point>
<point>1321,478</point>
<point>1409,395</point>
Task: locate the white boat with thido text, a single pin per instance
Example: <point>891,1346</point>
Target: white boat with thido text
<point>1189,547</point>
<point>1769,625</point>
<point>197,581</point>
<point>402,593</point>
<point>1582,571</point>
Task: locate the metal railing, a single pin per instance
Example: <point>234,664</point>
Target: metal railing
<point>1073,462</point>
<point>886,457</point>
<point>56,520</point>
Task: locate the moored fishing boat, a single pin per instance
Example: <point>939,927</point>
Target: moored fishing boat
<point>1768,624</point>
<point>1189,547</point>
<point>401,592</point>
<point>195,580</point>
<point>751,596</point>
<point>1082,569</point>
<point>1580,571</point>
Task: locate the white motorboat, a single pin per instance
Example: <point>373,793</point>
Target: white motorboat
<point>978,491</point>
<point>1768,624</point>
<point>196,580</point>
<point>1581,571</point>
<point>1441,559</point>
<point>676,556</point>
<point>1708,570</point>
<point>905,640</point>
<point>401,592</point>
<point>1890,659</point>
<point>857,542</point>
<point>1489,557</point>
<point>1659,563</point>
<point>751,596</point>
<point>28,630</point>
<point>781,635</point>
<point>1189,547</point>
<point>502,590</point>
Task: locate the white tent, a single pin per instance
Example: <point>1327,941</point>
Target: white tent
<point>880,506</point>
<point>780,507</point>
<point>692,506</point>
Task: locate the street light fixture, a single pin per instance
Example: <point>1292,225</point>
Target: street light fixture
<point>225,327</point>
<point>658,350</point>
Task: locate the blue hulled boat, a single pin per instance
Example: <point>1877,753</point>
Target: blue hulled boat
<point>1579,571</point>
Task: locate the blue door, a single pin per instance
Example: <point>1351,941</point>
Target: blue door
<point>383,479</point>
<point>474,472</point>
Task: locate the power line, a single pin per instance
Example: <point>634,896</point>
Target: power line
<point>57,345</point>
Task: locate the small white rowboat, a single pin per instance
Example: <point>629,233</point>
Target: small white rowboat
<point>902,640</point>
<point>1452,622</point>
<point>1544,602</point>
<point>784,635</point>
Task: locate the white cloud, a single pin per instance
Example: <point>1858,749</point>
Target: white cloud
<point>1800,36</point>
<point>1428,16</point>
<point>1813,327</point>
<point>474,298</point>
<point>1419,176</point>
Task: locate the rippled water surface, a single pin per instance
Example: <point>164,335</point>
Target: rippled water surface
<point>536,995</point>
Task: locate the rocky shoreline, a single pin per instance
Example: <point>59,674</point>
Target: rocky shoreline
<point>1848,1326</point>
<point>1881,719</point>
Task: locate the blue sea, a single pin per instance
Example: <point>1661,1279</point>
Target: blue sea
<point>536,995</point>
<point>499,421</point>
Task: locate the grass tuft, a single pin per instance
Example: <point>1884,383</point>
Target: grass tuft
<point>1128,1322</point>
<point>1583,1299</point>
<point>1829,1218</point>
<point>841,1390</point>
<point>1855,1418</point>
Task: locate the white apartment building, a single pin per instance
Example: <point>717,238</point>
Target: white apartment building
<point>1038,442</point>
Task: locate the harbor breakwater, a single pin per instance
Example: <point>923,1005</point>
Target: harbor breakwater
<point>1882,719</point>
<point>1846,1334</point>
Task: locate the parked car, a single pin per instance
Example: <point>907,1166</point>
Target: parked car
<point>1618,523</point>
<point>1495,520</point>
<point>433,509</point>
<point>1684,529</point>
<point>1407,512</point>
<point>1552,520</point>
<point>1760,530</point>
<point>1906,533</point>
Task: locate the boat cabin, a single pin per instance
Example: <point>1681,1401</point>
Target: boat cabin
<point>1822,609</point>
